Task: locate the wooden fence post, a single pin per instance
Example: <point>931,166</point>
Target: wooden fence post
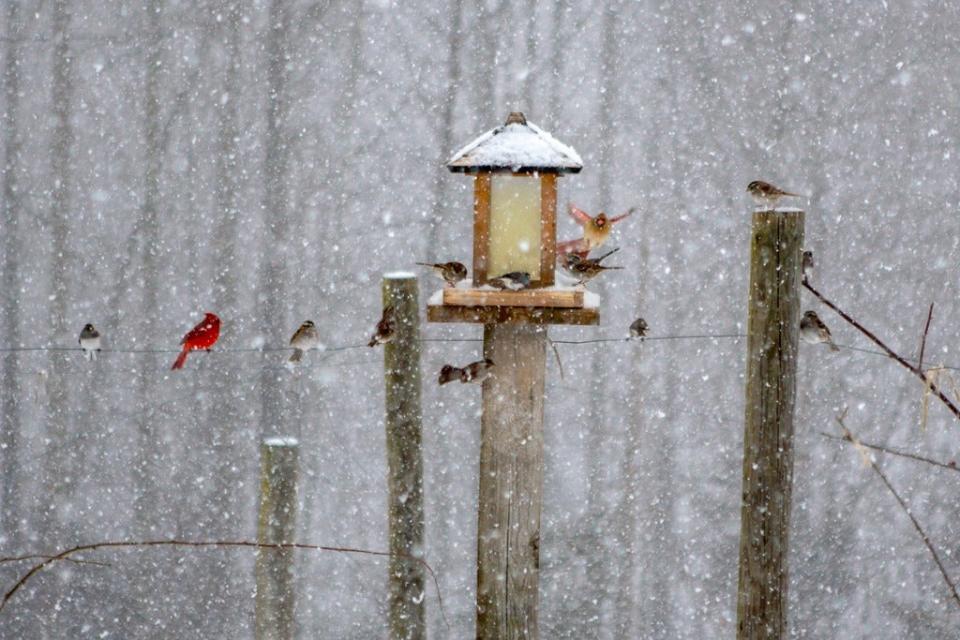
<point>773,332</point>
<point>401,362</point>
<point>511,482</point>
<point>276,524</point>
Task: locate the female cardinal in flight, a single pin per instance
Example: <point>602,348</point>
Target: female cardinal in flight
<point>202,336</point>
<point>596,230</point>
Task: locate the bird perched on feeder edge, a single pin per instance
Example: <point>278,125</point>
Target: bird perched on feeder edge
<point>807,265</point>
<point>449,272</point>
<point>764,193</point>
<point>586,269</point>
<point>304,339</point>
<point>814,331</point>
<point>514,281</point>
<point>639,328</point>
<point>597,229</point>
<point>203,336</point>
<point>386,328</point>
<point>89,341</point>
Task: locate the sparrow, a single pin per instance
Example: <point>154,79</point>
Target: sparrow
<point>202,336</point>
<point>813,331</point>
<point>449,373</point>
<point>765,193</point>
<point>514,281</point>
<point>586,269</point>
<point>305,338</point>
<point>386,328</point>
<point>807,265</point>
<point>639,328</point>
<point>449,272</point>
<point>597,229</point>
<point>90,341</point>
<point>475,372</point>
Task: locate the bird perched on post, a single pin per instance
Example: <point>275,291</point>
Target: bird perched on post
<point>203,336</point>
<point>639,328</point>
<point>475,372</point>
<point>765,193</point>
<point>814,331</point>
<point>449,272</point>
<point>305,338</point>
<point>586,269</point>
<point>90,341</point>
<point>597,229</point>
<point>386,328</point>
<point>807,265</point>
<point>514,281</point>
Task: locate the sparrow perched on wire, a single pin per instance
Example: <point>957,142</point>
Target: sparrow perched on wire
<point>449,272</point>
<point>639,328</point>
<point>586,269</point>
<point>765,193</point>
<point>304,339</point>
<point>807,265</point>
<point>386,328</point>
<point>201,337</point>
<point>90,341</point>
<point>514,281</point>
<point>597,229</point>
<point>475,372</point>
<point>813,331</point>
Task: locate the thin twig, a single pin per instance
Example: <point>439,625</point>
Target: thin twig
<point>7,559</point>
<point>923,340</point>
<point>890,352</point>
<point>556,354</point>
<point>847,435</point>
<point>894,452</point>
<point>63,555</point>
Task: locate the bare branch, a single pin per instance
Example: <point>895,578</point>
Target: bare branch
<point>923,340</point>
<point>952,466</point>
<point>7,559</point>
<point>890,352</point>
<point>848,436</point>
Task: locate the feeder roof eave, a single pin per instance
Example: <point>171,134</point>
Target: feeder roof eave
<point>518,148</point>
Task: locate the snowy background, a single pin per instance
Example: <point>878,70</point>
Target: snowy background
<point>268,160</point>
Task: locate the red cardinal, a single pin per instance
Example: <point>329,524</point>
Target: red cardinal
<point>202,336</point>
<point>595,230</point>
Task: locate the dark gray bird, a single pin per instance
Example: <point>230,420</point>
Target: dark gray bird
<point>807,265</point>
<point>386,328</point>
<point>514,281</point>
<point>90,341</point>
<point>639,328</point>
<point>449,272</point>
<point>814,331</point>
<point>305,338</point>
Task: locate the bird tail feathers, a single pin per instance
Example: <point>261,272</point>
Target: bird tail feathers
<point>297,354</point>
<point>181,360</point>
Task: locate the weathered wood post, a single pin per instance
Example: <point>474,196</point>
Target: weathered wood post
<point>401,362</point>
<point>274,607</point>
<point>515,197</point>
<point>773,333</point>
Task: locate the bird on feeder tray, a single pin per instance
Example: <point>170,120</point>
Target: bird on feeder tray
<point>304,339</point>
<point>90,341</point>
<point>764,193</point>
<point>807,265</point>
<point>201,337</point>
<point>449,272</point>
<point>597,229</point>
<point>475,372</point>
<point>386,328</point>
<point>639,328</point>
<point>514,281</point>
<point>586,269</point>
<point>814,331</point>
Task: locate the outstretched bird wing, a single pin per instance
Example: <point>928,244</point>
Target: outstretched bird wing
<point>581,217</point>
<point>621,217</point>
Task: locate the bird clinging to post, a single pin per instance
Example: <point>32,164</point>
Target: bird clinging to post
<point>475,372</point>
<point>305,338</point>
<point>764,193</point>
<point>597,229</point>
<point>639,328</point>
<point>449,272</point>
<point>514,281</point>
<point>814,331</point>
<point>203,336</point>
<point>586,269</point>
<point>386,328</point>
<point>90,341</point>
<point>807,265</point>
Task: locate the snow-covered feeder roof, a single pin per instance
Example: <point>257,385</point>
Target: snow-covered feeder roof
<point>516,146</point>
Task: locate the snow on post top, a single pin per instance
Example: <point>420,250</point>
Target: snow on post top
<point>517,145</point>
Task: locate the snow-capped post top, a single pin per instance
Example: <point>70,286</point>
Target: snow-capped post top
<point>517,146</point>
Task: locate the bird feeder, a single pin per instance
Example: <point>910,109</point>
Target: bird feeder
<point>515,169</point>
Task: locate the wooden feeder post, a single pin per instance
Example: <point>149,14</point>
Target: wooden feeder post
<point>773,334</point>
<point>515,194</point>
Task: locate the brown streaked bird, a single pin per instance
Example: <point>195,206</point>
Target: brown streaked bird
<point>476,372</point>
<point>386,328</point>
<point>814,331</point>
<point>807,265</point>
<point>639,328</point>
<point>90,341</point>
<point>514,281</point>
<point>304,339</point>
<point>764,193</point>
<point>586,269</point>
<point>597,229</point>
<point>449,272</point>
